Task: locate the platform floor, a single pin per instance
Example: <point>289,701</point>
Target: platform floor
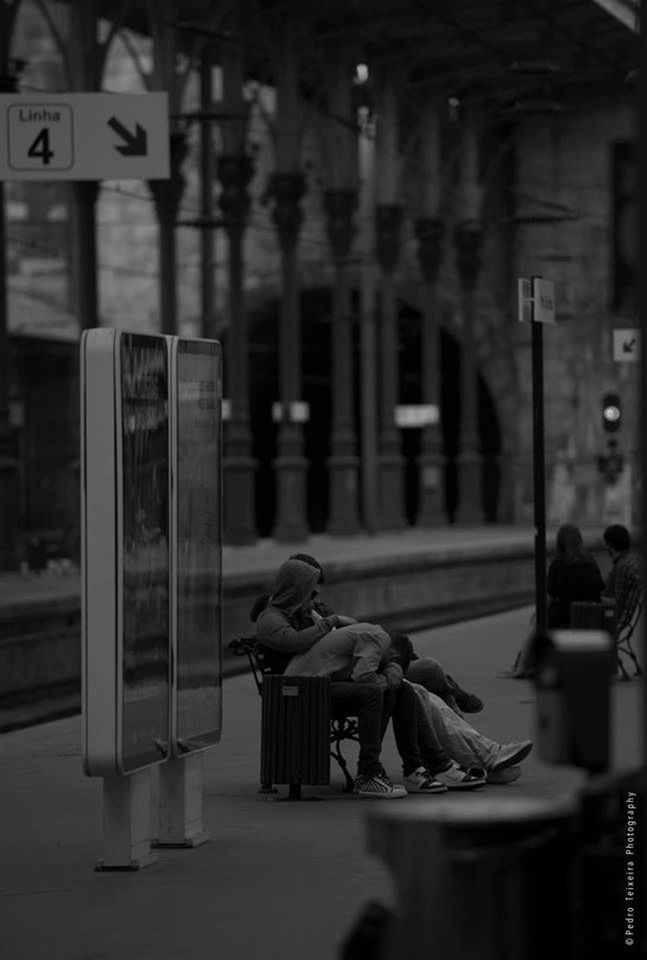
<point>278,880</point>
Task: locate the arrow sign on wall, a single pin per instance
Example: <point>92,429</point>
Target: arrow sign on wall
<point>626,345</point>
<point>135,145</point>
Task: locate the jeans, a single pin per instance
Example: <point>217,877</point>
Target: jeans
<point>458,738</point>
<point>366,702</point>
<point>428,673</point>
<point>414,737</point>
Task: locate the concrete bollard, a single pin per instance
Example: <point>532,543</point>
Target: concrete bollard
<point>488,879</point>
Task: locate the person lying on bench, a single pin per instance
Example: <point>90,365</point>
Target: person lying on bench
<point>435,678</point>
<point>362,684</point>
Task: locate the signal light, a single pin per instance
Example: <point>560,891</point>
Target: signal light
<point>611,412</point>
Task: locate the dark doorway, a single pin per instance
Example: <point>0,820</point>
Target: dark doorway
<point>316,306</point>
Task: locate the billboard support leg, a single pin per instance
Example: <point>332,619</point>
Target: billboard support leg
<point>127,822</point>
<point>180,803</point>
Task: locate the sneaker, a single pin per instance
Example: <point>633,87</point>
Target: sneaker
<point>457,778</point>
<point>378,787</point>
<point>421,781</point>
<point>507,775</point>
<point>511,753</point>
<point>466,702</point>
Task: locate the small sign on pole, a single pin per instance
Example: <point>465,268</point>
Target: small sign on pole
<point>416,414</point>
<point>543,296</point>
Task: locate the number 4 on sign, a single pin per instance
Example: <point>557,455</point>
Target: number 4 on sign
<point>40,148</point>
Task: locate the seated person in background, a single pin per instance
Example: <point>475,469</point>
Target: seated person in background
<point>458,738</point>
<point>573,575</point>
<point>625,581</point>
<point>352,655</point>
<point>436,679</point>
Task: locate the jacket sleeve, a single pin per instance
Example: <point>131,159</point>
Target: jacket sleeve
<point>275,630</point>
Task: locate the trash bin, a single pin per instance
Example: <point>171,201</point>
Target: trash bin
<point>295,731</point>
<point>479,878</point>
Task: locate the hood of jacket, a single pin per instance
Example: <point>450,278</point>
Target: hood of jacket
<point>293,585</point>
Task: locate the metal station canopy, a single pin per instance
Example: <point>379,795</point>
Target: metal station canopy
<point>490,49</point>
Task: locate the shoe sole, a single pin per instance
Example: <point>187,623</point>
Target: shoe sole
<point>474,785</point>
<point>509,775</point>
<point>380,796</point>
<point>512,761</point>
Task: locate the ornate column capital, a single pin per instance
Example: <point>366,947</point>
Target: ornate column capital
<point>430,232</point>
<point>340,205</point>
<point>287,191</point>
<point>388,227</point>
<point>234,173</point>
<point>468,238</point>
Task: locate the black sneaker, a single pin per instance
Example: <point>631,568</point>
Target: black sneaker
<point>378,787</point>
<point>457,778</point>
<point>467,702</point>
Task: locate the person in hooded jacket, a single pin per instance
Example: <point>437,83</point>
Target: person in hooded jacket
<point>363,684</point>
<point>423,670</point>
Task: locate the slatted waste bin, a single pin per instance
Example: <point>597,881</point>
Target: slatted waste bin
<point>480,879</point>
<point>295,731</point>
<point>595,616</point>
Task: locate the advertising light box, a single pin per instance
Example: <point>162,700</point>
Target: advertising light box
<point>125,486</point>
<point>196,524</point>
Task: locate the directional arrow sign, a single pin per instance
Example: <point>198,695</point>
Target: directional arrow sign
<point>84,136</point>
<point>626,345</point>
<point>134,145</point>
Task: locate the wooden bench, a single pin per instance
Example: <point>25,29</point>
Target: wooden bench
<point>601,616</point>
<point>341,728</point>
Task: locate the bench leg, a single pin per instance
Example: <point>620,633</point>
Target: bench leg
<point>623,673</point>
<point>630,653</point>
<point>350,783</point>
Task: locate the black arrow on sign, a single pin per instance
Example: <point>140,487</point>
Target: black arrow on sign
<point>628,346</point>
<point>136,145</point>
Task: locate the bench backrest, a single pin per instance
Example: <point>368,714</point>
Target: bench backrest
<point>262,660</point>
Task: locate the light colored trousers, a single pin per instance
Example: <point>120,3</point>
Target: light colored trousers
<point>457,738</point>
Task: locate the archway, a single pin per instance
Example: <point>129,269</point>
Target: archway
<point>316,308</point>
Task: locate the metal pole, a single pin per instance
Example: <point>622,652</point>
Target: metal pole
<point>207,233</point>
<point>368,348</point>
<point>86,193</point>
<point>539,473</point>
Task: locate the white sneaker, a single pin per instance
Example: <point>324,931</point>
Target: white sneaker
<point>457,778</point>
<point>507,775</point>
<point>421,781</point>
<point>378,787</point>
<point>511,754</point>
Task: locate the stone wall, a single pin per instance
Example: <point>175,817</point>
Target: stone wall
<point>568,160</point>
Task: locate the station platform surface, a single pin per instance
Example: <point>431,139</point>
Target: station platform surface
<point>266,555</point>
<point>280,880</point>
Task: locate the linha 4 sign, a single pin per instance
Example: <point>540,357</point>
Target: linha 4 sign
<point>84,136</point>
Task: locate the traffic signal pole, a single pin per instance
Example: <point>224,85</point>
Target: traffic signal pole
<point>539,470</point>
